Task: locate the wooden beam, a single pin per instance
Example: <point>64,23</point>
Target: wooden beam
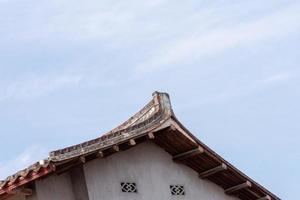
<point>213,171</point>
<point>235,188</point>
<point>52,167</point>
<point>187,154</point>
<point>172,128</point>
<point>132,142</point>
<point>100,154</point>
<point>267,197</point>
<point>150,136</point>
<point>82,159</point>
<point>257,196</point>
<point>116,148</point>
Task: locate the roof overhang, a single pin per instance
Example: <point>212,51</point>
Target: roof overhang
<point>155,122</point>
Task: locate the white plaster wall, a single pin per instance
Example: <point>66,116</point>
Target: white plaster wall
<point>153,170</point>
<point>55,187</point>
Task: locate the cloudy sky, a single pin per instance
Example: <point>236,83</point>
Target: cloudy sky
<point>72,70</point>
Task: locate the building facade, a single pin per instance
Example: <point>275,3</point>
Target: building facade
<point>150,156</point>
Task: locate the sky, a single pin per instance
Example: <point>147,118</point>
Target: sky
<point>73,70</point>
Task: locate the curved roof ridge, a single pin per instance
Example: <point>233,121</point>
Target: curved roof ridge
<point>157,109</point>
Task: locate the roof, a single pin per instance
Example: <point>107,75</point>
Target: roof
<point>158,123</point>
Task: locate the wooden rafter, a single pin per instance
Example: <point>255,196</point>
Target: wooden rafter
<point>132,142</point>
<point>213,171</point>
<point>187,154</point>
<point>82,159</point>
<point>235,188</point>
<point>267,197</point>
<point>100,154</point>
<point>172,127</point>
<point>150,136</point>
<point>116,148</point>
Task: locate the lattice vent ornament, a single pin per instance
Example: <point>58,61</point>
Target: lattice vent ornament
<point>177,189</point>
<point>128,187</point>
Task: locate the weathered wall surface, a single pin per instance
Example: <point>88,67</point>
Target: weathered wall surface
<point>55,187</point>
<point>32,197</point>
<point>153,170</point>
<point>78,183</point>
<point>16,197</point>
<point>23,197</point>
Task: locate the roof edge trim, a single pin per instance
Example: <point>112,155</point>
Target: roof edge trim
<point>157,110</point>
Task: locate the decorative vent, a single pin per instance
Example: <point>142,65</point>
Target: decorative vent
<point>177,189</point>
<point>128,187</point>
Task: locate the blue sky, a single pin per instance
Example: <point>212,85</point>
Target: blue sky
<point>70,71</point>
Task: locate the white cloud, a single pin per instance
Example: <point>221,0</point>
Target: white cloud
<point>277,78</point>
<point>23,160</point>
<point>46,21</point>
<point>35,85</point>
<point>246,89</point>
<point>217,40</point>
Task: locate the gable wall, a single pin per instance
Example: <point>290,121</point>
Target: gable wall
<point>153,170</point>
<point>55,187</point>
